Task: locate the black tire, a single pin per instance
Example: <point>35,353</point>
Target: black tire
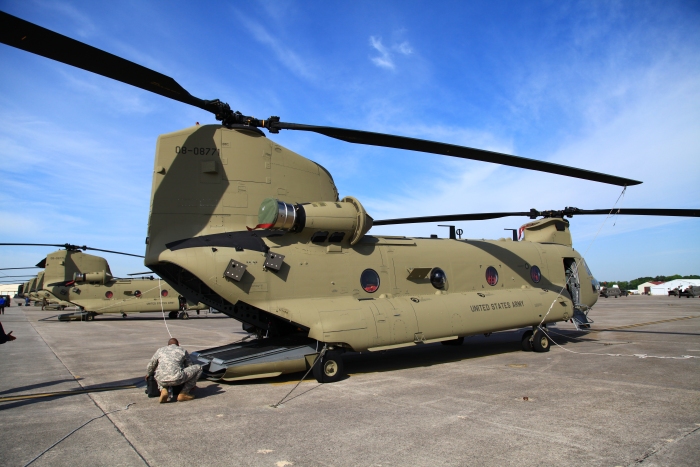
<point>540,342</point>
<point>172,315</point>
<point>458,341</point>
<point>89,317</point>
<point>526,341</point>
<point>330,368</point>
<point>183,315</point>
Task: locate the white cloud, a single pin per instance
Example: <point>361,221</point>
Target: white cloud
<point>385,58</point>
<point>85,27</point>
<point>651,135</point>
<point>404,48</point>
<point>286,55</point>
<point>119,96</point>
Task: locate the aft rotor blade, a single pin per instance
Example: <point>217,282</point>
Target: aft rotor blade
<point>533,213</point>
<point>433,147</point>
<point>140,273</point>
<point>28,267</point>
<point>110,251</point>
<point>59,245</point>
<point>32,38</point>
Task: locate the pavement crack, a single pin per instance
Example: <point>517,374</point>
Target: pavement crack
<point>654,451</point>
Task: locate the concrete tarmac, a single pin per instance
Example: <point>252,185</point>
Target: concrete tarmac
<point>603,398</point>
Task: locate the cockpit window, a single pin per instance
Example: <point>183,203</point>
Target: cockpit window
<point>588,270</point>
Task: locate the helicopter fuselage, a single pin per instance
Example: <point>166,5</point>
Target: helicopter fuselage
<point>208,184</point>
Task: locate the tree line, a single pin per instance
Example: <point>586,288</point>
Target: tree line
<point>633,284</point>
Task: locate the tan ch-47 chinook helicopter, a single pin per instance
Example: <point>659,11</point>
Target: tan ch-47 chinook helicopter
<point>74,278</point>
<point>41,296</point>
<point>262,235</point>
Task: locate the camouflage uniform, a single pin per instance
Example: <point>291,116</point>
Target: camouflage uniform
<point>172,367</point>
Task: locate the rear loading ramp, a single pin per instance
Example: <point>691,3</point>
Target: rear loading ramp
<point>264,358</point>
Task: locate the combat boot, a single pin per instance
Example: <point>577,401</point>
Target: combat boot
<point>183,396</point>
<point>163,395</point>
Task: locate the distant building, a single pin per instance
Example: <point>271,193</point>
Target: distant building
<point>645,288</point>
<point>663,289</point>
<point>9,289</point>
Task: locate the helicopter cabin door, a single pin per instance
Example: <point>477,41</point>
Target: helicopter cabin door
<point>573,285</point>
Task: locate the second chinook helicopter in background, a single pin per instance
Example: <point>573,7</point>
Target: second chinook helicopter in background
<point>42,297</point>
<point>262,235</point>
<point>72,277</point>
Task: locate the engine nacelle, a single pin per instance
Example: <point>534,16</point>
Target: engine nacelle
<point>102,277</point>
<point>346,216</point>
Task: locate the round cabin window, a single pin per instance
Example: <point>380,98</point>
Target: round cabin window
<point>438,278</point>
<point>109,294</point>
<point>164,293</point>
<point>535,274</point>
<point>491,275</point>
<point>137,293</point>
<point>369,280</point>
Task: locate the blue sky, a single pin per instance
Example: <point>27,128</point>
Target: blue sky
<point>608,86</point>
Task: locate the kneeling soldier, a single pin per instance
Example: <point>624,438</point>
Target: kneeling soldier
<point>173,367</point>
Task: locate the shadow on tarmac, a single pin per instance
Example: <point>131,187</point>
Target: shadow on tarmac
<point>138,382</point>
<point>36,386</point>
<point>425,355</point>
<point>212,389</point>
<point>656,332</point>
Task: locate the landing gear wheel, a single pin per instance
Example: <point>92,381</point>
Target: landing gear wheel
<point>330,368</point>
<point>172,315</point>
<point>458,341</point>
<point>183,315</point>
<point>123,315</point>
<point>89,317</point>
<point>526,341</point>
<point>540,342</point>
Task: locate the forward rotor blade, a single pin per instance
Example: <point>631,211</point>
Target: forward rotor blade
<point>433,147</point>
<point>643,212</point>
<point>68,246</point>
<point>568,212</point>
<point>450,218</point>
<point>140,273</point>
<point>32,38</point>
